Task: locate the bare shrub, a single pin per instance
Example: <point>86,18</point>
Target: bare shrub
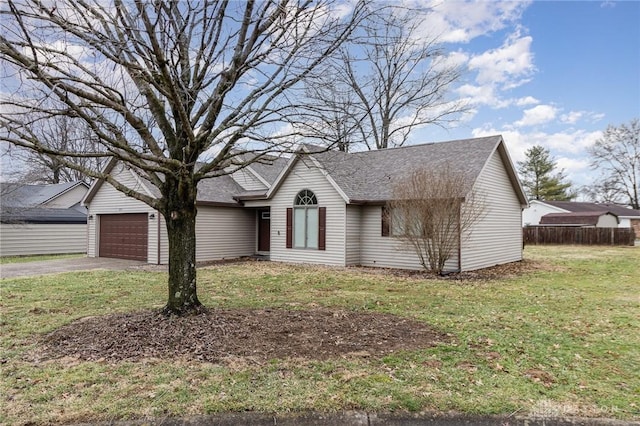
<point>431,211</point>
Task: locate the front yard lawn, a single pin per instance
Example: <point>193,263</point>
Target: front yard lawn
<point>554,336</point>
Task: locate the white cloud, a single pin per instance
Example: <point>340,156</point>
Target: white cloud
<point>478,18</point>
<point>576,165</point>
<point>572,117</point>
<point>539,114</point>
<point>481,95</point>
<point>527,100</point>
<point>509,65</point>
<point>501,69</point>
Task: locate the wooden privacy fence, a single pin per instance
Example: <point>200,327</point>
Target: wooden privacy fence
<point>576,235</point>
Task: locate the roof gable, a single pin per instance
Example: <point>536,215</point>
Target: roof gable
<point>368,176</point>
<point>212,191</point>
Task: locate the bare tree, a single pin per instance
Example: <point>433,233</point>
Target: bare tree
<point>391,79</point>
<point>163,85</point>
<point>617,155</point>
<point>431,211</point>
<point>603,191</point>
<point>61,133</point>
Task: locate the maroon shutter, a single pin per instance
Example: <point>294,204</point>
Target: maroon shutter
<point>385,221</point>
<point>322,228</point>
<point>289,227</point>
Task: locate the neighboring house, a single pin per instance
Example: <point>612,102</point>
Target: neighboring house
<point>627,218</point>
<point>582,219</point>
<point>42,219</point>
<point>323,208</point>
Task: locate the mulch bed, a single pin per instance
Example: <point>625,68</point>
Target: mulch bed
<point>221,334</point>
<point>497,272</point>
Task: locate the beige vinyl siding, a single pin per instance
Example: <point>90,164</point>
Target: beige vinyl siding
<point>163,245</point>
<point>307,176</point>
<point>607,221</point>
<point>68,199</point>
<point>497,237</point>
<point>109,200</point>
<point>225,233</point>
<point>247,180</point>
<point>37,238</point>
<point>354,219</point>
<point>388,252</point>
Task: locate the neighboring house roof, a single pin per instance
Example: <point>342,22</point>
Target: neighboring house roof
<point>574,218</point>
<point>44,215</point>
<point>19,195</point>
<point>368,177</point>
<point>579,207</point>
<point>29,204</point>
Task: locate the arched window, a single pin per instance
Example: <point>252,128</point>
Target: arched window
<point>305,220</point>
<point>306,198</point>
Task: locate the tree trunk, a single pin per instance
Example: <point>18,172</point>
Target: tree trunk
<point>180,217</point>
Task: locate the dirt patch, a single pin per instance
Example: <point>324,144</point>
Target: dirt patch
<point>218,335</point>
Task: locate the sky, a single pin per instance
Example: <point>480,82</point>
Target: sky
<point>545,73</point>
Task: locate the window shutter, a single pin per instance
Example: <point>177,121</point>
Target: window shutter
<point>386,222</point>
<point>322,228</point>
<point>289,227</point>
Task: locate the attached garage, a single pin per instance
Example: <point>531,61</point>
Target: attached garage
<point>124,236</point>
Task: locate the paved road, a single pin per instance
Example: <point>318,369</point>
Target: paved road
<point>27,269</point>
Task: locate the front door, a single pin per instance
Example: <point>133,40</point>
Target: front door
<point>264,230</point>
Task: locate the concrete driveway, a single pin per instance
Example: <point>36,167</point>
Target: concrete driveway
<point>28,269</point>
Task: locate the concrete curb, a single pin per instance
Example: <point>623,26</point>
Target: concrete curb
<point>362,418</point>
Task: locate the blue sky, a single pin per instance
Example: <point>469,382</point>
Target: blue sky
<point>544,72</point>
<point>539,72</point>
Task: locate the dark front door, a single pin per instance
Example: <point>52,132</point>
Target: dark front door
<point>264,230</point>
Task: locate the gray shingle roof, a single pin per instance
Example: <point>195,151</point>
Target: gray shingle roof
<point>216,190</point>
<point>219,189</point>
<point>270,169</point>
<point>578,207</point>
<point>364,177</point>
<point>17,195</point>
<point>369,176</point>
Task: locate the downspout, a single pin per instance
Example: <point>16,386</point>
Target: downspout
<point>459,239</point>
<point>159,245</point>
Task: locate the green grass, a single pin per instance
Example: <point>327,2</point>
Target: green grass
<point>562,340</point>
<point>24,259</point>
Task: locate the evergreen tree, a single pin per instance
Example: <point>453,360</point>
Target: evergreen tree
<point>539,178</point>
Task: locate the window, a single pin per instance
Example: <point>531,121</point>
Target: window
<point>305,220</point>
<point>393,222</point>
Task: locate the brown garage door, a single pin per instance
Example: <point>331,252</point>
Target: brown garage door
<point>124,236</point>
